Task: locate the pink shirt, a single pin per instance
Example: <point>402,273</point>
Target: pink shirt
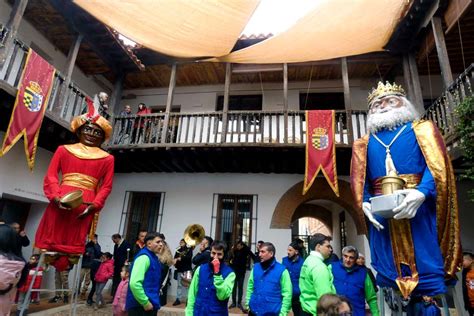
<point>120,299</point>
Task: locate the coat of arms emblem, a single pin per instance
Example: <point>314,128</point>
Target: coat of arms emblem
<point>320,138</point>
<point>33,97</point>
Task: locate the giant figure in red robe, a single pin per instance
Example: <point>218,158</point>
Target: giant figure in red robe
<point>82,166</point>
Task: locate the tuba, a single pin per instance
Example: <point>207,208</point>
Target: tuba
<point>193,234</point>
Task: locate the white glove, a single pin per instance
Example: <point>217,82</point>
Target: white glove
<point>367,208</point>
<point>412,201</point>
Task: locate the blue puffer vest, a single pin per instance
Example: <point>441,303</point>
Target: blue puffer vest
<point>151,283</point>
<point>206,299</point>
<point>351,284</point>
<point>294,268</point>
<point>266,297</point>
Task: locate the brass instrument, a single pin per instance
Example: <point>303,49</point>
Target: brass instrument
<point>194,234</point>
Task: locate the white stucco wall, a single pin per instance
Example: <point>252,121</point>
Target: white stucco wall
<point>28,34</point>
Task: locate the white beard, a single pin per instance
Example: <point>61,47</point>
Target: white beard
<point>392,118</point>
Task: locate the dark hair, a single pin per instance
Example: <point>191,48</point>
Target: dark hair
<point>270,247</point>
<point>151,236</point>
<point>260,242</point>
<point>295,245</point>
<point>142,230</point>
<point>328,304</point>
<point>96,236</point>
<point>108,255</point>
<point>209,240</point>
<point>219,245</point>
<point>8,241</point>
<point>318,239</point>
<point>115,236</point>
<point>126,267</point>
<point>468,254</point>
<point>162,236</point>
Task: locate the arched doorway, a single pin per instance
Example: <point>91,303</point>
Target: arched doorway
<point>292,203</point>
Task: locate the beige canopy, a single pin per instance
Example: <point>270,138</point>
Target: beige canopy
<point>210,28</point>
<point>180,28</point>
<point>334,28</point>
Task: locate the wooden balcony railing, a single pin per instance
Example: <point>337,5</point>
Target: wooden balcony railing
<point>62,110</point>
<point>442,111</point>
<point>249,128</point>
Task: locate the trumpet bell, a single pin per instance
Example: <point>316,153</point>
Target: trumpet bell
<point>194,234</point>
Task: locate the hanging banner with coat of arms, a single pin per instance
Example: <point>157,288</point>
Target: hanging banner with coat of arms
<point>320,148</point>
<point>30,104</point>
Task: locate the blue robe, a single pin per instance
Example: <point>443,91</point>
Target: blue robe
<point>408,159</point>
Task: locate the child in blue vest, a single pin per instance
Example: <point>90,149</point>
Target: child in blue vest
<point>211,286</point>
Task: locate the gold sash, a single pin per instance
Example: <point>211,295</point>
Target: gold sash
<point>80,180</point>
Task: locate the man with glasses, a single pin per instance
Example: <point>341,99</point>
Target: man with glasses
<point>316,278</point>
<point>143,297</point>
<point>352,281</point>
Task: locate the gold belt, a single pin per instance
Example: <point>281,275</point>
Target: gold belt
<point>80,180</point>
<point>411,181</point>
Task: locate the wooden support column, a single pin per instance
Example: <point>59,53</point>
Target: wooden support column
<point>347,99</point>
<point>285,102</point>
<point>68,70</point>
<point>12,26</point>
<point>407,77</point>
<point>169,103</point>
<point>116,97</point>
<point>415,78</point>
<point>225,108</point>
<point>437,26</point>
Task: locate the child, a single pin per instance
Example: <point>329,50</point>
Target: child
<point>121,293</point>
<point>31,267</point>
<point>105,272</point>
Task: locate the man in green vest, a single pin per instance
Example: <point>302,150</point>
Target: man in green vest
<point>316,278</point>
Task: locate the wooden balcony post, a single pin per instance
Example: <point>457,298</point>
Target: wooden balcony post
<point>437,26</point>
<point>169,102</point>
<point>417,94</point>
<point>285,102</point>
<point>68,70</point>
<point>116,97</point>
<point>12,26</point>
<point>347,100</point>
<point>225,108</point>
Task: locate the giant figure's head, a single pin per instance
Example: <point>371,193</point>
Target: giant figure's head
<point>389,108</point>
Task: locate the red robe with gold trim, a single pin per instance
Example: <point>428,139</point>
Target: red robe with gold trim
<point>60,230</point>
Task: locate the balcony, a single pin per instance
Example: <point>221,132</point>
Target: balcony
<point>238,128</point>
<point>59,109</point>
<point>442,111</point>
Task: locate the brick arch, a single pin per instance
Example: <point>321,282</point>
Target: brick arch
<point>315,211</point>
<point>320,190</point>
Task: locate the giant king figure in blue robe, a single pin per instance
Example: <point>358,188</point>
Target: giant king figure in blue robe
<point>418,249</point>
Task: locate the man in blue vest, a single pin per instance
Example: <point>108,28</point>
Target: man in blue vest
<point>269,288</point>
<point>143,297</point>
<point>293,264</point>
<point>352,281</point>
<point>211,285</point>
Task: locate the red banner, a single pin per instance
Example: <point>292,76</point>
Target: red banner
<point>320,148</point>
<point>30,104</point>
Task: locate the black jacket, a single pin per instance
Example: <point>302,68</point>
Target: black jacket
<point>120,255</point>
<point>93,251</point>
<point>202,257</point>
<point>240,259</point>
<point>186,255</point>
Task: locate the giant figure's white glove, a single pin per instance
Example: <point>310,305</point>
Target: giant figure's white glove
<point>367,208</point>
<point>412,201</point>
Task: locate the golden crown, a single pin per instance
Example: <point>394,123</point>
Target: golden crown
<point>384,90</point>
